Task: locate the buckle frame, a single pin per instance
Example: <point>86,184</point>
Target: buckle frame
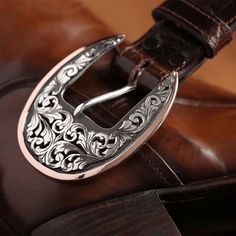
<point>63,143</point>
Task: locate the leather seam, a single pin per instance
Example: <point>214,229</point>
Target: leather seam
<point>198,103</point>
<point>127,48</point>
<point>222,25</point>
<point>154,167</point>
<point>164,71</point>
<point>203,13</point>
<point>191,24</point>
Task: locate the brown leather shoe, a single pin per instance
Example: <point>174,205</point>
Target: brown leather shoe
<point>180,182</point>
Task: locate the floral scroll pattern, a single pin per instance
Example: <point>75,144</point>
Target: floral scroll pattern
<point>64,145</point>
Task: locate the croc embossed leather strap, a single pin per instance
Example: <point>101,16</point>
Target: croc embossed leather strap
<point>185,34</point>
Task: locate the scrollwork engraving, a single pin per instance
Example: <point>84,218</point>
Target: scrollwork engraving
<point>60,143</point>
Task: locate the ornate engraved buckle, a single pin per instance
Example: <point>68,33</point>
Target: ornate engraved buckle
<point>62,142</point>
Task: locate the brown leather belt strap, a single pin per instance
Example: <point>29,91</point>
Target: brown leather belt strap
<point>186,32</point>
<point>209,29</point>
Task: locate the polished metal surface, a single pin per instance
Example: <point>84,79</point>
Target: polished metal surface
<point>62,142</point>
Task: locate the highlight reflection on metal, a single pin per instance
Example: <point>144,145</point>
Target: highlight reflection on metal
<point>62,142</point>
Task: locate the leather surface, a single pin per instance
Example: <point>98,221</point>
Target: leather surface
<point>221,9</point>
<point>181,152</point>
<point>206,208</point>
<point>207,27</point>
<point>129,215</point>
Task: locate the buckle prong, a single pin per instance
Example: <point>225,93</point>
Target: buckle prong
<point>132,84</point>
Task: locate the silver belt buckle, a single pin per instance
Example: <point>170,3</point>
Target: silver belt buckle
<point>62,142</point>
